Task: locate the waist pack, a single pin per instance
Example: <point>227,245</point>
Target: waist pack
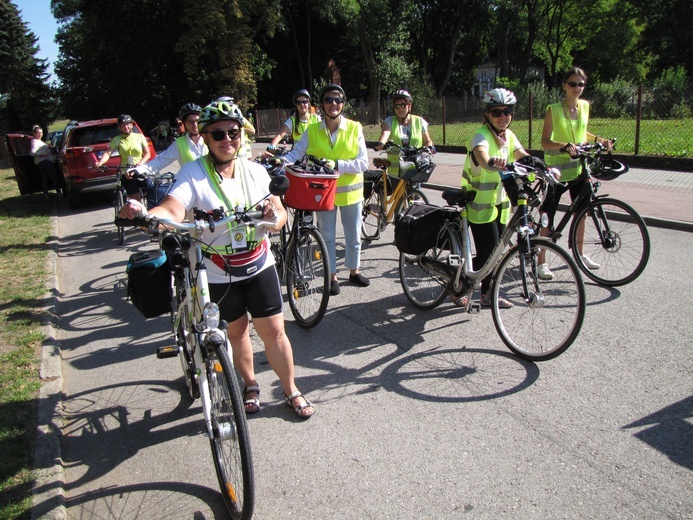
<point>149,283</point>
<point>416,228</point>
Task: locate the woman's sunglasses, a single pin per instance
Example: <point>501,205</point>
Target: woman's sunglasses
<point>220,135</point>
<point>336,100</point>
<point>302,102</point>
<point>573,84</point>
<point>497,112</point>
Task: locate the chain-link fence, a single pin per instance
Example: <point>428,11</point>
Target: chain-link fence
<point>655,119</point>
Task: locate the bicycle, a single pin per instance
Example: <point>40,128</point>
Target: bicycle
<point>150,196</point>
<point>379,208</point>
<point>300,253</point>
<point>615,236</point>
<point>546,316</point>
<point>203,347</point>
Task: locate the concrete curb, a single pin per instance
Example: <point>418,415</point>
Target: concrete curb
<point>49,482</point>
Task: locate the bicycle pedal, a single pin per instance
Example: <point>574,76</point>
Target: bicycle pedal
<point>166,352</point>
<point>474,308</point>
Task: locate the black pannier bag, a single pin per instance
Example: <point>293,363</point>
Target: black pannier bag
<point>149,283</point>
<point>416,228</point>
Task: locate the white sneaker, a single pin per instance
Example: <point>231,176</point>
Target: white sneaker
<point>589,263</point>
<point>544,273</point>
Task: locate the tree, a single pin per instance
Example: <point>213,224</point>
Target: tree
<point>26,97</point>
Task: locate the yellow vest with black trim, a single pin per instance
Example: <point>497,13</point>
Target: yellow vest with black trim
<point>346,147</point>
<point>184,153</point>
<point>298,126</point>
<point>568,131</point>
<point>415,139</point>
<point>487,184</point>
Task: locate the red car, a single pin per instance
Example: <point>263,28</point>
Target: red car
<point>83,143</point>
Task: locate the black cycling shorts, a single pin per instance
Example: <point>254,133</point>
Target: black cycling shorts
<point>260,296</point>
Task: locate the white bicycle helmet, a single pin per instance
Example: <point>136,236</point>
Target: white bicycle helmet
<point>499,97</point>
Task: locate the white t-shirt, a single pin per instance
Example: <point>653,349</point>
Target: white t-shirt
<point>193,189</point>
<point>40,151</point>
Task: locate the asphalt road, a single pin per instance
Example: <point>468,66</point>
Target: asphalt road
<point>419,414</point>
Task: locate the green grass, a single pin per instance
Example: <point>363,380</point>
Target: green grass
<point>24,236</point>
<point>666,137</point>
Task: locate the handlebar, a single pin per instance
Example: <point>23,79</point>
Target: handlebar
<point>592,149</point>
<point>407,151</point>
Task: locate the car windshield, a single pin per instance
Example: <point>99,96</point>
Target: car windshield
<point>95,134</point>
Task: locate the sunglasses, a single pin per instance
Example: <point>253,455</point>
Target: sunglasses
<point>573,84</point>
<point>400,105</point>
<point>497,112</point>
<point>302,102</point>
<point>220,135</point>
<point>337,100</point>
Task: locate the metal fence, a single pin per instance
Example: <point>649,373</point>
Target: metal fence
<point>646,120</point>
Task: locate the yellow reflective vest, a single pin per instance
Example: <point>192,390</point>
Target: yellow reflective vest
<point>486,183</point>
<point>298,126</point>
<point>346,147</point>
<point>415,139</point>
<point>184,153</point>
<point>568,131</point>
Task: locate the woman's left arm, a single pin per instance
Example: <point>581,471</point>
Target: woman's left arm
<point>359,164</point>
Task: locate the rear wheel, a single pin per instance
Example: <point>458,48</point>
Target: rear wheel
<point>230,438</point>
<point>412,195</point>
<point>118,203</point>
<point>373,214</point>
<point>425,277</point>
<point>308,277</point>
<point>615,240</point>
<point>545,321</point>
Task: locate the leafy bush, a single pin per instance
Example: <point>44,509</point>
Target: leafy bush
<point>613,100</point>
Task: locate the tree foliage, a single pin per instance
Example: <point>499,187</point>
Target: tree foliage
<point>25,94</point>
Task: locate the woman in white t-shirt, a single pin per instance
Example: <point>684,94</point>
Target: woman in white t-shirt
<point>303,116</point>
<point>241,271</point>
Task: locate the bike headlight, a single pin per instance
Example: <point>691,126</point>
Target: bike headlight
<point>211,315</point>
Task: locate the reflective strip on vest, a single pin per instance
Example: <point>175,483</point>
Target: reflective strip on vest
<point>487,184</point>
<point>349,186</point>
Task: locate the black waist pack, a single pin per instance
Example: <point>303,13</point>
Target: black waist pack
<point>416,228</point>
<point>149,283</point>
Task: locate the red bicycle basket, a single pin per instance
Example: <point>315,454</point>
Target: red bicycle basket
<point>310,191</point>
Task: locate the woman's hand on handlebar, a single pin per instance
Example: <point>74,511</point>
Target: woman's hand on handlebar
<point>132,209</point>
<point>497,162</point>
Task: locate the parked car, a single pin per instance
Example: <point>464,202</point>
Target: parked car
<point>82,145</point>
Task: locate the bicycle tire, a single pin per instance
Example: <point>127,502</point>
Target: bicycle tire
<point>411,195</point>
<point>230,440</point>
<point>425,278</point>
<point>183,335</point>
<point>373,214</point>
<point>118,202</point>
<point>308,277</point>
<point>277,242</point>
<point>546,325</point>
<point>622,253</point>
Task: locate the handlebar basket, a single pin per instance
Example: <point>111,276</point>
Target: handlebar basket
<point>310,191</point>
<point>416,168</point>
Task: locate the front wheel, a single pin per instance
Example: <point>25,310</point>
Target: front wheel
<point>610,242</point>
<point>546,315</point>
<point>308,277</point>
<point>425,278</point>
<point>230,439</point>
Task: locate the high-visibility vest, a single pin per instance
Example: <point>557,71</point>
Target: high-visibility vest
<point>241,174</point>
<point>184,152</point>
<point>349,186</point>
<point>568,131</point>
<point>416,140</point>
<point>298,126</point>
<point>487,184</point>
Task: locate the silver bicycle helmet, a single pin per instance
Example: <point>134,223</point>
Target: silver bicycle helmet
<point>499,97</point>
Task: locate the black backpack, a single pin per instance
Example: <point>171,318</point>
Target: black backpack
<point>416,228</point>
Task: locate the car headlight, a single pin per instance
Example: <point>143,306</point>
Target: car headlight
<point>211,315</point>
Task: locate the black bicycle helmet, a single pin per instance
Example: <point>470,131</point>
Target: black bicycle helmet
<point>125,118</point>
<point>607,169</point>
<point>187,109</point>
<point>299,93</point>
<point>330,88</point>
